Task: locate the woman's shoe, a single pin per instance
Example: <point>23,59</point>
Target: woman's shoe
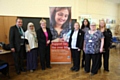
<point>72,68</point>
<point>76,70</point>
<point>31,70</point>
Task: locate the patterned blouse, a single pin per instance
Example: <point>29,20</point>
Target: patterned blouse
<point>85,29</point>
<point>93,42</point>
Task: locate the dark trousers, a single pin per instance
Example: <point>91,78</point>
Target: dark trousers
<point>44,57</point>
<point>76,58</point>
<point>19,58</point>
<point>83,59</point>
<point>32,59</point>
<point>95,62</point>
<point>105,60</point>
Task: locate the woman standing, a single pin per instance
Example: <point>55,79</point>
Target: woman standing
<point>76,44</point>
<point>30,35</point>
<point>85,27</point>
<point>93,46</point>
<point>107,43</point>
<point>44,39</point>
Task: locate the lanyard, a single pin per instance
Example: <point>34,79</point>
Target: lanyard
<point>35,38</point>
<point>20,31</point>
<point>91,35</point>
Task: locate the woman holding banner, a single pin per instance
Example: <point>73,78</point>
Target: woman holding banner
<point>60,23</point>
<point>75,45</point>
<point>44,39</point>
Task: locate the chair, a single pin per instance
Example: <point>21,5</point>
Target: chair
<point>116,41</point>
<point>4,68</point>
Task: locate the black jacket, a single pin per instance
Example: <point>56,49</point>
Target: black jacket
<point>108,38</point>
<point>15,38</point>
<point>42,39</point>
<point>80,39</point>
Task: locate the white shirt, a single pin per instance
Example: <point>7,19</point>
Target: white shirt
<point>74,39</point>
<point>31,39</point>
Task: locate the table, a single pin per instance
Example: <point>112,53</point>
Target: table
<point>7,56</point>
<point>5,52</point>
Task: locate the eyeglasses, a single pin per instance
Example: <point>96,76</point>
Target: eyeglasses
<point>92,25</point>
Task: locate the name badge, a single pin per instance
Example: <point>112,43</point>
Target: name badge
<point>22,37</point>
<point>79,33</point>
<point>90,41</point>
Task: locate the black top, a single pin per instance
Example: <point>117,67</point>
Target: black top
<point>42,38</point>
<point>80,39</point>
<point>108,38</point>
<point>15,38</point>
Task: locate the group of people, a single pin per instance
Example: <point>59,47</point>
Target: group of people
<point>93,42</point>
<point>88,39</point>
<point>34,43</point>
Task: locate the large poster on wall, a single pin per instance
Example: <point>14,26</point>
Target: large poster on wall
<point>60,26</point>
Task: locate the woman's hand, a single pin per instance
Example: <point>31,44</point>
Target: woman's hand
<point>78,49</point>
<point>61,40</point>
<point>68,48</point>
<point>84,49</point>
<point>56,40</point>
<point>13,49</point>
<point>28,50</point>
<point>101,50</point>
<point>48,41</point>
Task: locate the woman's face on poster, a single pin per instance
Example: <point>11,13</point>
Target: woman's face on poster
<point>61,16</point>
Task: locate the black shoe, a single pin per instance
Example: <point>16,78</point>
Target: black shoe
<point>34,69</point>
<point>106,70</point>
<point>23,70</point>
<point>18,72</point>
<point>49,67</point>
<point>76,70</point>
<point>43,69</point>
<point>87,71</point>
<point>72,68</point>
<point>93,74</point>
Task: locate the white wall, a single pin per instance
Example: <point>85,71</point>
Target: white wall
<point>98,9</point>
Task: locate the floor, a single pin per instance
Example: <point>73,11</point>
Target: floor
<point>62,72</point>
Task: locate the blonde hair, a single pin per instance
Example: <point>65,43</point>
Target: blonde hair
<point>78,24</point>
<point>104,24</point>
<point>42,21</point>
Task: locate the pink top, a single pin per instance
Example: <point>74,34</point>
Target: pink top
<point>46,35</point>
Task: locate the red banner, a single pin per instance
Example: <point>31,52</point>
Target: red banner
<point>59,53</point>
